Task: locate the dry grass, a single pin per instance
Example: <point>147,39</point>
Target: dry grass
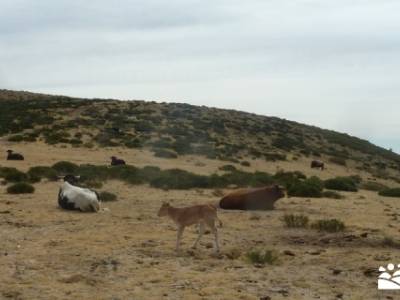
<point>127,252</point>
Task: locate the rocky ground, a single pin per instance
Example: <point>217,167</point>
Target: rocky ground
<point>127,252</point>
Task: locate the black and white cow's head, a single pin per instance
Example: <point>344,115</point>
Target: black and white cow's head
<point>71,179</point>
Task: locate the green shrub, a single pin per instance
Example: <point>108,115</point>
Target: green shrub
<point>42,172</point>
<point>89,145</point>
<point>332,195</point>
<point>228,168</point>
<point>289,178</point>
<point>182,146</point>
<point>285,143</point>
<point>241,178</point>
<point>16,138</point>
<point>394,192</point>
<point>274,156</point>
<point>262,257</point>
<point>356,178</point>
<point>311,187</point>
<point>165,153</point>
<point>20,188</point>
<point>56,137</point>
<point>373,186</point>
<point>107,197</point>
<point>92,183</point>
<point>65,167</point>
<point>134,143</point>
<point>75,142</point>
<point>341,184</point>
<point>329,225</point>
<point>179,179</point>
<point>12,174</point>
<point>390,242</point>
<point>295,221</point>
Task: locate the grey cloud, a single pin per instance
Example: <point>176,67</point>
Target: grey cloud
<point>328,63</point>
<point>34,16</point>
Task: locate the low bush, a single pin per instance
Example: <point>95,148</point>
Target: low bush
<point>12,174</point>
<point>341,184</point>
<point>107,197</point>
<point>179,179</point>
<point>65,167</point>
<point>311,187</point>
<point>262,257</point>
<point>373,186</point>
<point>394,192</point>
<point>289,178</point>
<point>20,188</point>
<point>338,160</point>
<point>134,143</point>
<point>16,138</point>
<point>295,221</point>
<point>42,172</point>
<point>332,195</point>
<point>228,168</point>
<point>390,242</point>
<point>274,156</point>
<point>328,225</point>
<point>165,153</point>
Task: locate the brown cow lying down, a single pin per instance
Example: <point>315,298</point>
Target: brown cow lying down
<point>252,199</point>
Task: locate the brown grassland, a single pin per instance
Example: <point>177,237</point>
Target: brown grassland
<point>127,252</point>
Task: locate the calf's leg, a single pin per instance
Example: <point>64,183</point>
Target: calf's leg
<point>179,237</point>
<point>201,231</point>
<point>216,239</point>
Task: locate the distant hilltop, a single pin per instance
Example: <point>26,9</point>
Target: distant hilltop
<point>172,129</point>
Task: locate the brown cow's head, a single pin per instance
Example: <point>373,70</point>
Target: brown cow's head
<point>279,190</point>
<point>163,211</point>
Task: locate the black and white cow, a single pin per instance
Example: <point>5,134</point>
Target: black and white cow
<point>14,156</point>
<point>72,197</point>
<point>117,161</point>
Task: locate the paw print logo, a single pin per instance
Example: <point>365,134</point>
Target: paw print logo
<point>389,279</point>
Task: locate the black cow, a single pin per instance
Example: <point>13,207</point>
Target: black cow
<point>317,164</point>
<point>14,156</point>
<point>117,161</point>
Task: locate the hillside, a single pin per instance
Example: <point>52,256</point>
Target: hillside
<point>171,129</point>
<point>336,226</point>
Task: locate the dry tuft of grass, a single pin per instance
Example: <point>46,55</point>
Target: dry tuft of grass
<point>262,257</point>
<point>295,221</point>
<point>328,225</point>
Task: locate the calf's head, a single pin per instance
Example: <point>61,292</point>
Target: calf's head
<point>163,211</point>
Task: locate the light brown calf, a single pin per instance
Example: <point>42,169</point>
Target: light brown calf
<point>186,216</point>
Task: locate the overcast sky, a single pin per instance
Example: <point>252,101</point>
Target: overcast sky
<point>333,64</point>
